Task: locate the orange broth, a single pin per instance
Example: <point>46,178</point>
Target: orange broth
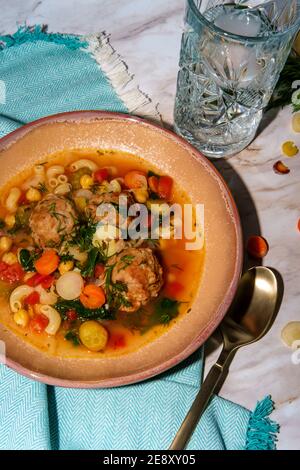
<point>129,331</point>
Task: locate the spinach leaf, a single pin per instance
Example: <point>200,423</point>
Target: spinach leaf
<point>102,313</point>
<point>27,259</point>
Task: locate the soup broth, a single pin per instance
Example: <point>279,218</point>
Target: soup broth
<point>84,293</point>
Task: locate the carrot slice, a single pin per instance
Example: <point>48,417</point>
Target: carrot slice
<point>47,263</point>
<point>165,186</point>
<point>257,247</point>
<point>92,296</point>
<point>135,179</point>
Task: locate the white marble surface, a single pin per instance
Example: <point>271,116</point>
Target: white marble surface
<point>147,34</point>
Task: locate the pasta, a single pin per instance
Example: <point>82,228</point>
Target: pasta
<point>53,317</point>
<point>62,179</point>
<point>63,188</point>
<point>39,170</point>
<point>54,170</point>
<point>76,258</point>
<point>11,202</point>
<point>34,182</point>
<point>17,295</point>
<point>45,296</point>
<point>83,163</point>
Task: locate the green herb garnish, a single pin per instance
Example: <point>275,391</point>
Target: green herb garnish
<point>282,94</point>
<point>151,173</point>
<point>126,260</point>
<point>42,187</point>
<point>89,267</point>
<point>66,257</point>
<point>72,336</point>
<point>84,236</point>
<point>166,309</point>
<point>115,291</point>
<point>102,313</point>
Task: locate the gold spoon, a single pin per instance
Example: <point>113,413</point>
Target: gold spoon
<point>250,317</point>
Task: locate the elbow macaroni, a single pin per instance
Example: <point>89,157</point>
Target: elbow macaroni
<point>53,317</point>
<point>33,182</point>
<point>39,170</point>
<point>55,176</point>
<point>54,171</point>
<point>11,202</point>
<point>17,296</point>
<point>83,163</point>
<point>63,188</point>
<point>46,298</point>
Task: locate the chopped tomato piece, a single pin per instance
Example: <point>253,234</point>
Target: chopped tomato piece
<point>32,298</point>
<point>72,315</point>
<point>92,296</point>
<point>47,281</point>
<point>117,341</point>
<point>101,175</point>
<point>38,323</point>
<point>153,183</point>
<point>165,186</point>
<point>35,280</point>
<point>3,266</point>
<point>99,270</point>
<point>257,247</point>
<point>11,273</point>
<point>47,263</point>
<point>135,179</point>
<point>23,199</point>
<point>172,289</point>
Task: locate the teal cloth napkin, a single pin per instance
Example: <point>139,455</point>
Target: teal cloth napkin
<point>42,74</point>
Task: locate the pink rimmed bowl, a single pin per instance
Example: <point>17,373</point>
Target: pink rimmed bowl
<point>223,242</point>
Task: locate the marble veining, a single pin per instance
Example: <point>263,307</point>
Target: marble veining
<point>147,34</point>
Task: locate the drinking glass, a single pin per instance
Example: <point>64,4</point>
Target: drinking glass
<point>232,53</point>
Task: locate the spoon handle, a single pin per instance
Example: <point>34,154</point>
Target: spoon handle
<point>201,401</point>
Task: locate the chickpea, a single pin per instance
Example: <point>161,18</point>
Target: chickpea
<point>65,266</point>
<point>9,258</point>
<point>33,195</point>
<point>10,221</point>
<point>21,318</point>
<point>141,195</point>
<point>5,243</point>
<point>86,181</point>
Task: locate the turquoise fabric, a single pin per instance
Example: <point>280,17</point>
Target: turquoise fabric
<point>44,75</point>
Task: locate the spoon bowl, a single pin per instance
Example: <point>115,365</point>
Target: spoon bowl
<point>250,317</point>
<point>253,310</point>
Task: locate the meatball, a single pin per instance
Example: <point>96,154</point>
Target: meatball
<point>52,219</point>
<point>108,198</point>
<point>140,271</point>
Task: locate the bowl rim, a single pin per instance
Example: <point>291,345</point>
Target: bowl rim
<point>207,332</point>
